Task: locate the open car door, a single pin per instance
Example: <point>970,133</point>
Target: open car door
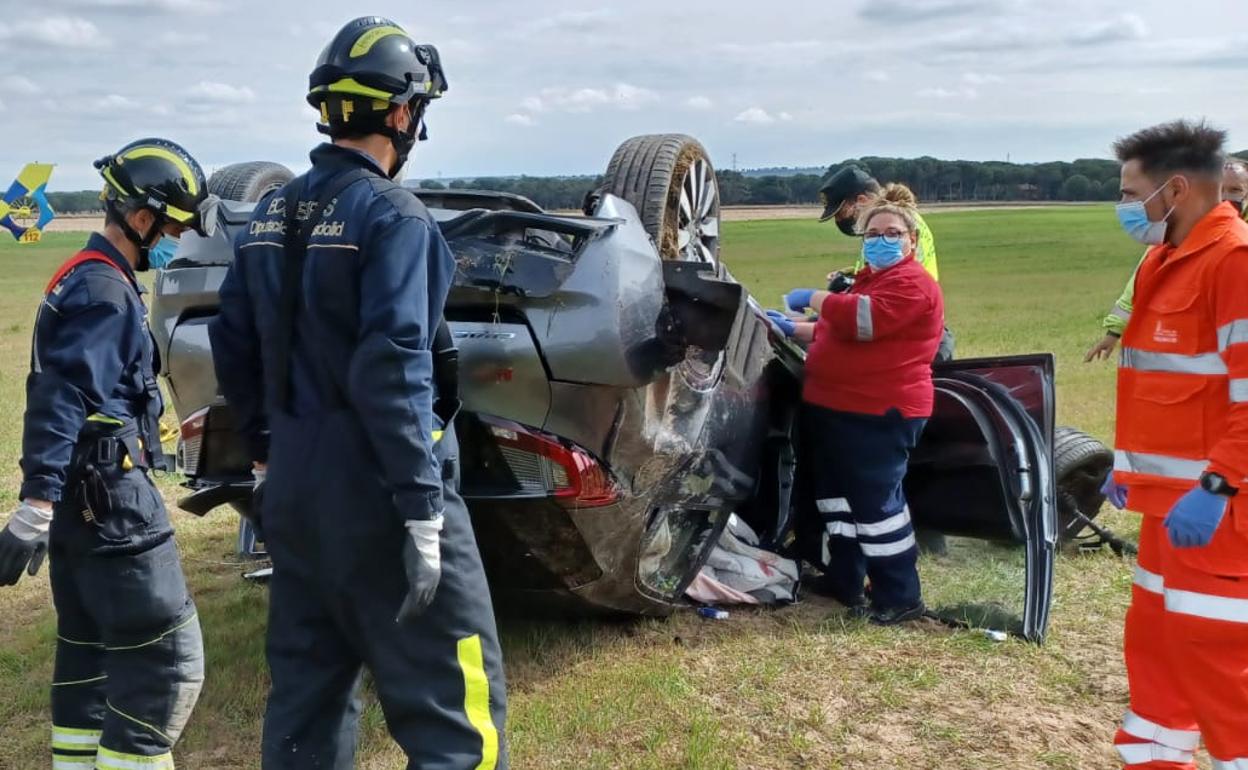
<point>982,494</point>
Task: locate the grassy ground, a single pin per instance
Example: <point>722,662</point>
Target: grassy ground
<point>798,687</point>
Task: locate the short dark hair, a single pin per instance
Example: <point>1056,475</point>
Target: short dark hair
<point>1180,145</point>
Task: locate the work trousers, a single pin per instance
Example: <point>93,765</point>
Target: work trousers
<point>1186,650</point>
<point>338,581</point>
<point>129,655</point>
<point>855,465</point>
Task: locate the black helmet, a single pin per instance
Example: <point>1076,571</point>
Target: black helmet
<point>849,182</point>
<point>370,66</point>
<point>159,175</point>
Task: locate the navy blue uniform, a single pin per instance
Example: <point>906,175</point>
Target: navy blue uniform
<point>351,455</point>
<point>129,662</point>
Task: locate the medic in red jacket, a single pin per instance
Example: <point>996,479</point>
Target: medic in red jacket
<point>867,396</point>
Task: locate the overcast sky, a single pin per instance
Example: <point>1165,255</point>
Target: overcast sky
<point>551,88</point>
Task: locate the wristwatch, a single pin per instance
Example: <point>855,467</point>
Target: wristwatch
<point>1217,484</point>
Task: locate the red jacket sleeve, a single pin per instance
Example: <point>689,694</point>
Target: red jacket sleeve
<point>1229,457</point>
<point>883,311</point>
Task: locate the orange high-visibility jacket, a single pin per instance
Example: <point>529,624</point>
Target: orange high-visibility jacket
<point>1183,376</point>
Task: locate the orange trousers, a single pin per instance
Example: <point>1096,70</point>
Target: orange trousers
<point>1186,649</point>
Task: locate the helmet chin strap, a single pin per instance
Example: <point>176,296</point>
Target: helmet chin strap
<point>143,242</point>
<point>404,141</point>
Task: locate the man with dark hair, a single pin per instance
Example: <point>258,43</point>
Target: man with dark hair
<point>844,195</point>
<point>1234,190</point>
<point>1181,453</point>
<point>331,347</point>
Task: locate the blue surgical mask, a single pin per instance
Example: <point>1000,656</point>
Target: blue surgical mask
<point>881,252</point>
<point>162,253</point>
<point>1134,219</point>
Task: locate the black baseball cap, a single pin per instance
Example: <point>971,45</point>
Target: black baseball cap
<point>849,182</point>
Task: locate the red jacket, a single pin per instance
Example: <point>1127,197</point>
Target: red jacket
<point>874,346</point>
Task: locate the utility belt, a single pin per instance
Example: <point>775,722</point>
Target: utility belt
<point>118,503</point>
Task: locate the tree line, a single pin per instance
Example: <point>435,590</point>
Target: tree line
<point>932,180</point>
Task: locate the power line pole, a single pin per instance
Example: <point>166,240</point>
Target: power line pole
<point>734,162</point>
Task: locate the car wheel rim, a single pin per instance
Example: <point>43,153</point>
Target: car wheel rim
<point>698,222</point>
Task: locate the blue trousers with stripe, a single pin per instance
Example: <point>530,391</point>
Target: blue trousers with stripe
<point>129,654</point>
<point>855,465</point>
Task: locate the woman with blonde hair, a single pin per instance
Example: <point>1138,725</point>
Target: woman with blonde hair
<point>866,397</point>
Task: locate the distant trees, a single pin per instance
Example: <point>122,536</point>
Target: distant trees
<point>86,201</point>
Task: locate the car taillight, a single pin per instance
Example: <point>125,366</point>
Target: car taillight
<point>542,463</point>
<point>192,443</point>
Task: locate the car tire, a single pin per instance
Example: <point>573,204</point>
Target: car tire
<point>1080,465</point>
<point>669,179</point>
<point>248,182</point>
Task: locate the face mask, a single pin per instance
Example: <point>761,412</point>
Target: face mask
<point>162,253</point>
<point>1134,219</point>
<point>881,254</point>
<point>848,225</point>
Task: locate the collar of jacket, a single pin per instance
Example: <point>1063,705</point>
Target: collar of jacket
<point>868,272</point>
<point>328,154</point>
<point>1207,232</point>
<point>98,242</point>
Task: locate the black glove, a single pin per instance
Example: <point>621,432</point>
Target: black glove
<point>840,283</point>
<point>17,555</point>
<point>422,561</point>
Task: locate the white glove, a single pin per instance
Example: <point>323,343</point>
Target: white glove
<point>425,536</point>
<point>29,523</point>
<point>422,563</point>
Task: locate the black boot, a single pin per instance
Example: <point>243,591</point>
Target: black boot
<point>891,616</point>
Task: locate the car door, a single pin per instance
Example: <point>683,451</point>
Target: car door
<point>982,494</point>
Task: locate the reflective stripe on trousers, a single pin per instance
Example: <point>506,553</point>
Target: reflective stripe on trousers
<point>73,748</point>
<point>116,760</point>
<point>1231,764</point>
<point>1143,753</point>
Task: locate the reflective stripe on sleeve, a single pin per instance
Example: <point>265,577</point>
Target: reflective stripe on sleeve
<point>1152,582</point>
<point>1207,606</point>
<point>1184,740</point>
<point>1118,312</point>
<point>1147,361</point>
<point>842,529</point>
<point>1239,391</point>
<point>880,550</point>
<point>1234,333</point>
<point>833,505</point>
<point>1159,465</point>
<point>1230,764</point>
<point>1143,753</point>
<point>891,524</point>
<point>866,329</point>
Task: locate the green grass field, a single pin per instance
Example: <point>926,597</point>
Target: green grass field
<point>797,687</point>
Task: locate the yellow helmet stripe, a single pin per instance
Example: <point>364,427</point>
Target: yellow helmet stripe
<point>365,42</point>
<point>178,215</point>
<point>108,176</point>
<point>192,186</point>
<point>353,87</point>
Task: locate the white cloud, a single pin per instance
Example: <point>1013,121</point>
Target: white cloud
<point>876,76</point>
<point>520,119</point>
<point>178,6</point>
<point>56,31</point>
<point>1125,27</point>
<point>573,22</point>
<point>222,93</point>
<point>979,79</point>
<point>963,92</point>
<point>911,11</point>
<point>18,84</point>
<point>755,115</point>
<point>785,117</point>
<point>115,102</point>
<point>699,103</point>
<point>622,96</point>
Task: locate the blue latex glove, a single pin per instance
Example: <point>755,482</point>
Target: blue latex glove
<point>1194,518</point>
<point>1114,492</point>
<point>799,299</point>
<point>782,322</point>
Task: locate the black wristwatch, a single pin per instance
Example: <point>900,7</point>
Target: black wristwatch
<point>1217,484</point>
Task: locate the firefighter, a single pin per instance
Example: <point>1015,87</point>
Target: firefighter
<point>1234,190</point>
<point>129,655</point>
<point>867,395</point>
<point>1181,453</point>
<point>330,347</point>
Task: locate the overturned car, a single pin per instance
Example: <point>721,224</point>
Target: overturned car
<point>624,395</point>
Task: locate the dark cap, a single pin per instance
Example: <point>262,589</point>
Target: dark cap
<point>849,182</point>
